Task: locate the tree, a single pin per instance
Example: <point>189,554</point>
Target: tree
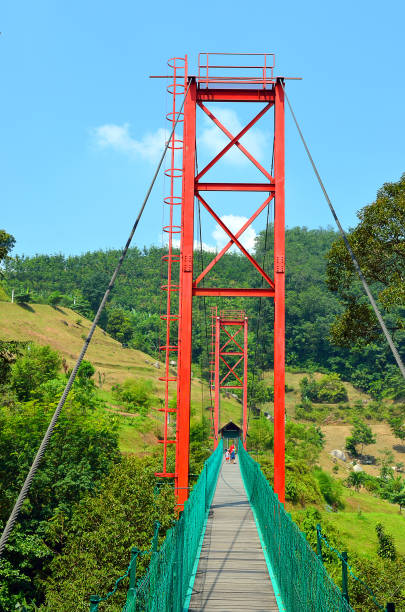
<point>7,242</point>
<point>82,450</point>
<point>37,365</point>
<point>361,433</point>
<point>356,480</point>
<point>397,425</point>
<point>329,390</point>
<point>386,546</point>
<point>55,298</point>
<point>378,242</point>
<point>105,527</point>
<point>23,298</point>
<point>119,325</point>
<point>399,498</point>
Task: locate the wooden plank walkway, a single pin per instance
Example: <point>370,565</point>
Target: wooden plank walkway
<point>232,574</point>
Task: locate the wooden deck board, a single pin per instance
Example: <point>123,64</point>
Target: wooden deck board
<point>232,575</point>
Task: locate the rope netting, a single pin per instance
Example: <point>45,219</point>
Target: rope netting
<point>303,582</point>
<point>164,586</point>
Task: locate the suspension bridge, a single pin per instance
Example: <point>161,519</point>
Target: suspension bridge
<point>234,546</point>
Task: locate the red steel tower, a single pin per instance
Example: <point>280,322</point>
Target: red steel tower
<point>224,79</point>
<point>230,342</point>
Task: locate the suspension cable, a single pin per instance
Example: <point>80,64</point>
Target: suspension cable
<point>258,321</point>
<point>203,281</point>
<point>349,248</point>
<point>46,439</point>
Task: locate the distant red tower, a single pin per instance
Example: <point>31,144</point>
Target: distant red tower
<point>218,82</point>
<point>230,350</point>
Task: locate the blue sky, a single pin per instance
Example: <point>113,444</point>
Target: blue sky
<point>71,69</point>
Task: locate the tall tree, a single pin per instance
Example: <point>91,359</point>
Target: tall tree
<point>378,242</point>
<point>7,241</point>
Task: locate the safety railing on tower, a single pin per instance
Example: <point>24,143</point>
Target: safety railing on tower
<point>169,349</point>
<point>251,69</point>
<point>303,582</point>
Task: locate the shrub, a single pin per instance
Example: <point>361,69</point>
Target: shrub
<point>55,298</point>
<point>137,394</point>
<point>329,390</point>
<point>23,298</point>
<point>386,546</point>
<point>331,489</point>
<point>37,365</point>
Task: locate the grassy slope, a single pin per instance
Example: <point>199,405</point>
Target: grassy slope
<point>64,330</point>
<point>59,328</point>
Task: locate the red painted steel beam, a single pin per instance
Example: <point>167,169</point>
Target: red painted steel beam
<point>230,243</point>
<point>232,292</point>
<point>279,299</point>
<point>238,144</point>
<point>245,371</point>
<point>185,300</point>
<point>234,141</point>
<point>235,95</point>
<point>269,187</point>
<point>236,241</point>
<point>217,394</point>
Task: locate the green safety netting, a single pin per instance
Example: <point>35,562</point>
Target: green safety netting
<point>164,586</point>
<point>303,582</point>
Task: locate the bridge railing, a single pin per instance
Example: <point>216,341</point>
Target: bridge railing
<point>303,582</point>
<point>164,586</point>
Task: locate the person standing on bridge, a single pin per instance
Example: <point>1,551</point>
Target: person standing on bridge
<point>227,455</point>
<point>232,454</point>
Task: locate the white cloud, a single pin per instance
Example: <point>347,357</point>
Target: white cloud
<point>221,238</point>
<point>118,137</point>
<point>210,248</point>
<point>234,223</point>
<point>213,139</point>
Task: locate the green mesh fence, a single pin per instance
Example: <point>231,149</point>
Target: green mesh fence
<point>303,582</point>
<point>164,586</point>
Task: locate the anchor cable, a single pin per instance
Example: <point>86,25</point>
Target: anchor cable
<point>38,457</point>
<point>356,265</point>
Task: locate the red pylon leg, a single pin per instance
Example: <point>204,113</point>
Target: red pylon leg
<point>217,381</point>
<point>279,298</point>
<point>186,301</point>
<point>245,371</point>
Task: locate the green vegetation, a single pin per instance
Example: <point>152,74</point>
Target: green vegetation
<point>362,435</point>
<point>91,502</point>
<point>378,243</point>
<point>132,316</point>
<point>329,390</point>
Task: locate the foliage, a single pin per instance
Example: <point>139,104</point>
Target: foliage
<point>303,442</point>
<point>55,298</point>
<point>361,434</point>
<point>356,480</point>
<point>261,436</point>
<point>399,498</point>
<point>80,453</point>
<point>311,308</point>
<point>331,489</point>
<point>37,365</point>
<point>378,242</point>
<point>259,392</point>
<point>7,242</point>
<point>135,393</point>
<point>10,350</point>
<point>119,325</point>
<point>386,546</point>
<point>23,298</point>
<point>105,527</point>
<point>329,390</point>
